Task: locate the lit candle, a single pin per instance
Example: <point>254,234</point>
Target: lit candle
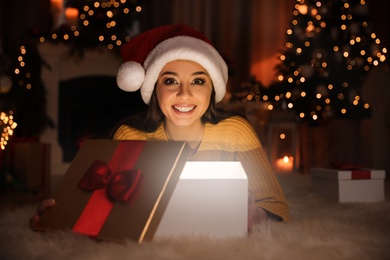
<point>57,10</point>
<point>72,16</point>
<point>57,5</point>
<point>285,164</point>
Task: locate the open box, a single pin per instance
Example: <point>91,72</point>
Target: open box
<point>211,199</point>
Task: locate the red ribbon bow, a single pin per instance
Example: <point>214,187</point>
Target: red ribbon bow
<point>120,185</point>
<point>357,173</point>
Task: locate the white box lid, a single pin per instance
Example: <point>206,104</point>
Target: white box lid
<point>337,174</point>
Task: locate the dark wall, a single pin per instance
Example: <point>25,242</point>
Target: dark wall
<point>19,17</point>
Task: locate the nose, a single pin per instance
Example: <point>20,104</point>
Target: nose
<point>184,90</point>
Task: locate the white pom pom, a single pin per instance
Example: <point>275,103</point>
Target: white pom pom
<point>130,76</point>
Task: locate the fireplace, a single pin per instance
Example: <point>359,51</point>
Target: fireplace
<point>82,99</point>
<point>89,107</point>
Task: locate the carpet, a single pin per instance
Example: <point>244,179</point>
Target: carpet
<point>319,229</point>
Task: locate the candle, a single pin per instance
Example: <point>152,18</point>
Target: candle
<point>285,164</point>
<point>56,5</point>
<point>72,16</point>
<point>57,11</point>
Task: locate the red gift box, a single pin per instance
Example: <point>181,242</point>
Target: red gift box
<point>117,190</point>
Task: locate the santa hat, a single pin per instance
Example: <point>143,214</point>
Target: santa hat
<point>146,54</point>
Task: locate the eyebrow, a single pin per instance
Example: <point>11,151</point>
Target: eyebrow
<point>193,74</point>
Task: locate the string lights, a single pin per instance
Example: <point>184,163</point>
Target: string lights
<point>7,125</point>
<point>91,23</point>
<point>330,48</point>
<point>81,25</point>
<point>22,69</point>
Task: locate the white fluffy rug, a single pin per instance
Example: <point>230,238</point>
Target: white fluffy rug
<point>320,229</point>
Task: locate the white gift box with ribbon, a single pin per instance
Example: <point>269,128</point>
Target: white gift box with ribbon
<point>360,185</point>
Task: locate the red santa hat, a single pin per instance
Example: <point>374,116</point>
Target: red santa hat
<point>145,55</point>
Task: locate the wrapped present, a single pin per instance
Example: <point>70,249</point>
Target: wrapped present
<point>219,210</point>
<point>31,164</point>
<point>349,184</point>
<point>117,190</point>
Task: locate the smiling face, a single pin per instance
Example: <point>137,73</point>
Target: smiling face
<point>183,92</point>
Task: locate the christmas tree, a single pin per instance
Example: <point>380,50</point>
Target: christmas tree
<point>91,24</point>
<point>329,51</point>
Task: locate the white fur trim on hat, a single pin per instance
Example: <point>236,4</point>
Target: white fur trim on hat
<point>184,48</point>
<point>130,76</point>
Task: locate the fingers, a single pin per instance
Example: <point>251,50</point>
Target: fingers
<point>42,207</point>
<point>256,214</point>
<point>251,210</point>
<point>47,203</point>
<point>250,224</point>
<point>251,197</point>
<point>34,221</point>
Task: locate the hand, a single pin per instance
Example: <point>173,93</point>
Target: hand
<point>42,207</point>
<point>255,213</point>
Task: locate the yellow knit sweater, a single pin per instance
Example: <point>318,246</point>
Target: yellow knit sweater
<point>232,139</point>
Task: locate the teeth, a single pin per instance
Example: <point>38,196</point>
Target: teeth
<point>184,109</point>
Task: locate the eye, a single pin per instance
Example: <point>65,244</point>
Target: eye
<point>170,81</point>
<point>198,81</point>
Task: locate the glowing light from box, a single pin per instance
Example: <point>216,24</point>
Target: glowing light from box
<point>229,170</point>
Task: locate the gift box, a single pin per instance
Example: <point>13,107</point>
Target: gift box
<point>31,162</point>
<point>210,198</point>
<point>116,190</point>
<point>356,185</point>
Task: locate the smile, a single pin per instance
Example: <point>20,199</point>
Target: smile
<point>184,109</point>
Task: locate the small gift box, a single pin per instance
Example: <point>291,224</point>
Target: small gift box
<point>349,185</point>
<point>117,190</point>
<point>31,162</point>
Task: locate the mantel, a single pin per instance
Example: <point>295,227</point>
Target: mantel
<point>63,66</point>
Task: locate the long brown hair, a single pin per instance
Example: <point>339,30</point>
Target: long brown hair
<point>150,119</point>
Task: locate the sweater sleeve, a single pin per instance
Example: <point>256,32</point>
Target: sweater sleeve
<point>262,180</point>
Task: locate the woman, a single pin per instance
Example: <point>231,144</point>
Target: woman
<point>181,78</point>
